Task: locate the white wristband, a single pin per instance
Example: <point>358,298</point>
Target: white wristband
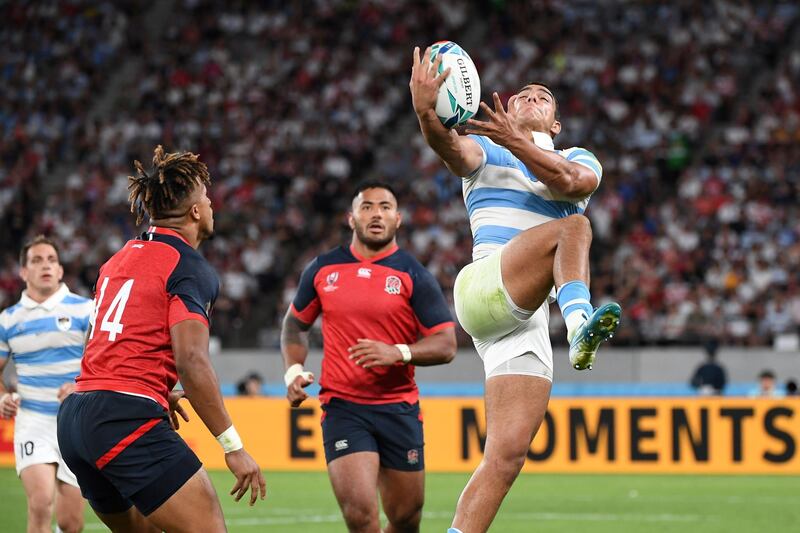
<point>294,371</point>
<point>230,440</point>
<point>405,351</point>
<point>14,396</point>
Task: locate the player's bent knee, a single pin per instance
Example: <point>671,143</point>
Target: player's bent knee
<point>506,466</point>
<point>579,224</point>
<point>72,524</point>
<point>406,519</point>
<point>359,518</point>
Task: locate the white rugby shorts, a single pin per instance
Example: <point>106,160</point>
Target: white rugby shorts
<point>36,442</point>
<point>500,330</point>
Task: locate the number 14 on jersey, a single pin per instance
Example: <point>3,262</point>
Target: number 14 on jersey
<point>111,325</point>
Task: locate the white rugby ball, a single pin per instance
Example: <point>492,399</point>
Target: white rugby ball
<point>460,94</point>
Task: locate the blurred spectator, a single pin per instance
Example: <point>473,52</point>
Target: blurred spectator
<point>709,378</point>
<point>250,385</point>
<point>791,387</point>
<point>767,386</point>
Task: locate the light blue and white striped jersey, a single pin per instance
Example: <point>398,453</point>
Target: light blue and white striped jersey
<point>46,342</point>
<point>504,197</point>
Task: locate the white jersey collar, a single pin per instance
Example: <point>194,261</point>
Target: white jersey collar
<point>543,140</point>
<point>49,304</point>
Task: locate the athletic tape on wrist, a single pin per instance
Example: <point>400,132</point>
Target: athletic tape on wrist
<point>405,351</point>
<point>294,371</point>
<point>230,440</point>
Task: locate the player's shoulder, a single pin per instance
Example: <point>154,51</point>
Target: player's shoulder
<point>8,312</point>
<point>188,259</point>
<point>583,156</point>
<point>404,261</point>
<point>340,254</point>
<point>76,305</point>
<point>72,298</point>
<point>487,145</point>
<point>335,256</point>
<point>576,151</point>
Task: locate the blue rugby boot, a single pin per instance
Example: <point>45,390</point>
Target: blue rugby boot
<point>587,338</point>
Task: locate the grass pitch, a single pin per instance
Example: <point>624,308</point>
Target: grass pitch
<point>304,502</point>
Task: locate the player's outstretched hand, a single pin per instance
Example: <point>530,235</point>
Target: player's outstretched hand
<point>248,476</point>
<point>65,390</point>
<point>425,83</point>
<point>295,393</point>
<point>502,128</point>
<point>9,404</point>
<point>176,409</point>
<point>368,353</point>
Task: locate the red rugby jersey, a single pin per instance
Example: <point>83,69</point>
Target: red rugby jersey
<point>389,298</point>
<point>147,287</point>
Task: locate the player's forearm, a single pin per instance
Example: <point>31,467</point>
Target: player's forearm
<point>202,390</point>
<point>436,349</point>
<point>3,388</point>
<point>444,142</point>
<point>294,341</point>
<point>550,168</point>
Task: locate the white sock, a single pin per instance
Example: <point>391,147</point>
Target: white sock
<point>574,320</point>
<point>454,530</point>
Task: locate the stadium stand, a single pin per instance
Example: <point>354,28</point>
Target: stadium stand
<point>695,222</point>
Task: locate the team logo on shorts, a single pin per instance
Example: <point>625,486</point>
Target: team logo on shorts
<point>413,457</point>
<point>330,281</point>
<point>64,323</point>
<point>393,285</point>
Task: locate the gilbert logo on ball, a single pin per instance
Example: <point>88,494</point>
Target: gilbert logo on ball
<point>460,94</point>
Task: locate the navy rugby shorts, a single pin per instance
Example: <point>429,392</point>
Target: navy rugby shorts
<point>123,451</point>
<point>393,431</point>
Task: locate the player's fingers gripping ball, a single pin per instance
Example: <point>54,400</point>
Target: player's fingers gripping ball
<point>460,94</point>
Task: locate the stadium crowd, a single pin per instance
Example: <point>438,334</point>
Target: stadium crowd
<point>691,107</point>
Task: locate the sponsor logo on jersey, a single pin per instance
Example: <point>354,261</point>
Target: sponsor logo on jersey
<point>364,272</point>
<point>64,323</point>
<point>413,456</point>
<point>330,282</point>
<point>393,285</point>
<point>341,445</point>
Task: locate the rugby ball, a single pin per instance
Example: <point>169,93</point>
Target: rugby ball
<point>460,94</point>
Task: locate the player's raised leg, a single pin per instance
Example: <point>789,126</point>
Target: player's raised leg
<point>39,483</point>
<point>69,507</point>
<point>354,478</point>
<point>558,253</point>
<point>515,407</point>
<point>555,252</point>
<point>402,495</point>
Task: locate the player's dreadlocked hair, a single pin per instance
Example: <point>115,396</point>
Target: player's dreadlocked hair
<point>174,177</point>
